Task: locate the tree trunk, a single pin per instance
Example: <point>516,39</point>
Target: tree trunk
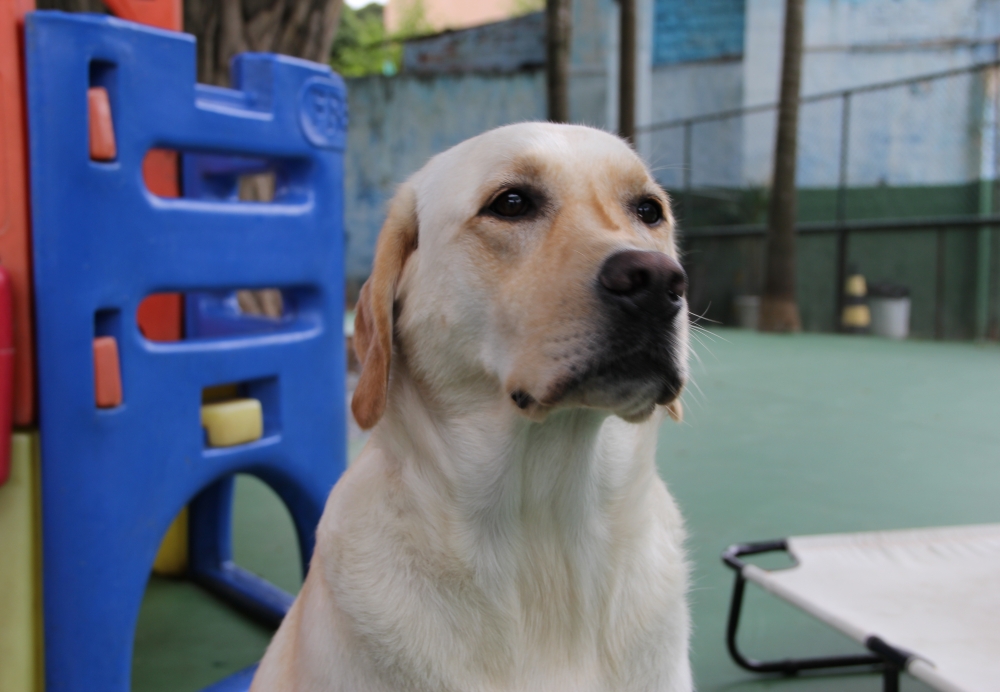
<point>626,70</point>
<point>779,311</point>
<point>558,30</point>
<point>302,28</point>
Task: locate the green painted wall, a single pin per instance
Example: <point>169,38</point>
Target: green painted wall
<point>722,268</point>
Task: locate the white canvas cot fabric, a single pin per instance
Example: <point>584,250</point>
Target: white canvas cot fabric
<point>933,593</point>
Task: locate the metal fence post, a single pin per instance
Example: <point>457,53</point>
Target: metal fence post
<point>939,294</point>
<point>987,176</point>
<point>688,201</point>
<point>841,212</point>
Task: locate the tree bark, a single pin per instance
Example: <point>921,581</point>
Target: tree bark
<point>558,28</point>
<point>779,311</point>
<point>626,70</point>
<point>302,28</point>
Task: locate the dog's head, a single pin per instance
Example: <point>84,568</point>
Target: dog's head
<point>535,263</point>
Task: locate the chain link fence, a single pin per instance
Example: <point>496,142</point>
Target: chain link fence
<point>896,179</point>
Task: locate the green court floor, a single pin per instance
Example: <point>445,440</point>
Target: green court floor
<point>783,435</point>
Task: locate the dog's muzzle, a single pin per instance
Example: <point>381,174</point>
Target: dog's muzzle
<point>642,296</point>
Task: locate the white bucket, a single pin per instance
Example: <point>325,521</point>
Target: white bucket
<point>890,317</point>
<point>748,311</point>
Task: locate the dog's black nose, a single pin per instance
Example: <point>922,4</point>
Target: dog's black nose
<point>648,281</point>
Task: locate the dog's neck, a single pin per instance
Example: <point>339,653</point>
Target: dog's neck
<point>502,493</point>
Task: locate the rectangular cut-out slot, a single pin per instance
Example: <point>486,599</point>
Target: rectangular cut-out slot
<point>235,178</point>
<point>108,389</point>
<point>238,413</point>
<point>100,112</point>
<point>257,187</point>
<point>165,317</point>
<point>248,312</point>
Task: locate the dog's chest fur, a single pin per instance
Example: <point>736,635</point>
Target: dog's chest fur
<point>556,565</point>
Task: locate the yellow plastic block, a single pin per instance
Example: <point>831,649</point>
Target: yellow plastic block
<point>20,576</point>
<point>172,558</point>
<point>233,422</point>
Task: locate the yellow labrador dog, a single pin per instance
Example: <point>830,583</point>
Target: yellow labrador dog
<point>505,528</point>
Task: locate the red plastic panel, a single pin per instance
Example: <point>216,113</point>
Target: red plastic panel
<point>159,171</point>
<point>15,238</point>
<point>160,317</point>
<point>166,14</point>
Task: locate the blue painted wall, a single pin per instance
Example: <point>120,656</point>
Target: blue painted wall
<point>691,30</point>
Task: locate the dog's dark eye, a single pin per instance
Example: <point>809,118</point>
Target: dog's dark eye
<point>510,204</point>
<point>649,211</point>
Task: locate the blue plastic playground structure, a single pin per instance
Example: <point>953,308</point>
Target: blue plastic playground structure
<point>115,478</point>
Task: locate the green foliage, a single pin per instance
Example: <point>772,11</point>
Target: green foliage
<point>521,7</point>
<point>413,21</point>
<point>362,46</point>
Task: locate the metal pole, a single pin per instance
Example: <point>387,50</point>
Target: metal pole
<point>626,71</point>
<point>558,30</point>
<point>939,257</point>
<point>890,679</point>
<point>688,201</point>
<point>987,177</point>
<point>842,236</point>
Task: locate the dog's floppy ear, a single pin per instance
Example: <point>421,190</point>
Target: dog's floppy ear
<point>374,316</point>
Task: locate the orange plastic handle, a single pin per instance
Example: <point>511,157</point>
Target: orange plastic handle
<point>107,373</point>
<point>102,128</point>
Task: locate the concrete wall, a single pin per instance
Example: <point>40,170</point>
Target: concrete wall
<point>594,63</point>
<point>686,90</point>
<point>920,135</point>
<point>508,46</point>
<point>927,134</point>
<point>686,31</point>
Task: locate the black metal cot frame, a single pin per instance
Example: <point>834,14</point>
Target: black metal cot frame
<point>883,658</point>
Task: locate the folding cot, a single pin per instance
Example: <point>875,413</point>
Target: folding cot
<point>923,601</point>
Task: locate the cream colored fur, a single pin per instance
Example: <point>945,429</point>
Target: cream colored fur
<point>475,546</point>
